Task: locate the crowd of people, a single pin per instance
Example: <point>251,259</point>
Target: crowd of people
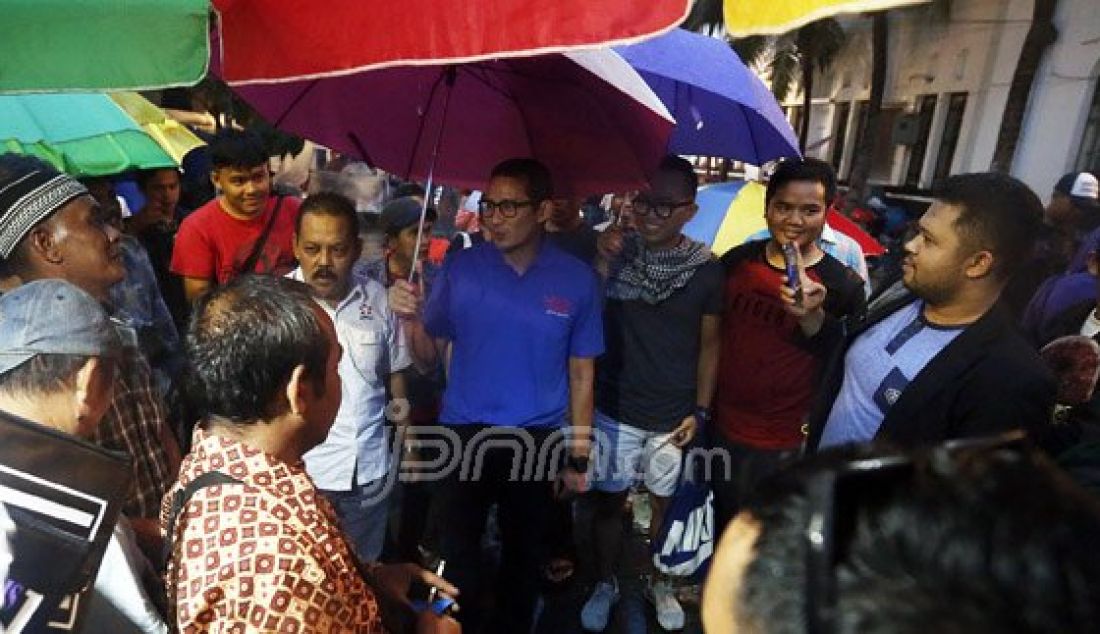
<point>320,442</point>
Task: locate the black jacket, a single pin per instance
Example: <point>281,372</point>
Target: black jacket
<point>988,380</point>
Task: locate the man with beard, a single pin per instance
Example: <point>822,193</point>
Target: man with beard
<point>51,227</point>
<point>943,361</point>
<point>351,466</point>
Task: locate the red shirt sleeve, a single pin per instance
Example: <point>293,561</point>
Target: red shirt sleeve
<point>193,255</point>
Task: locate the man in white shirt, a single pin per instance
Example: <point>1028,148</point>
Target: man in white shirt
<point>352,465</point>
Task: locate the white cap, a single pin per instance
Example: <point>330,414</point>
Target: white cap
<point>1085,186</point>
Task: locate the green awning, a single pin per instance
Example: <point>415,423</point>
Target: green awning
<point>89,45</point>
<point>82,134</point>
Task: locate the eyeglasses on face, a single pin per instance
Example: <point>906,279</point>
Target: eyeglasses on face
<point>643,206</point>
<point>835,496</point>
<point>506,208</point>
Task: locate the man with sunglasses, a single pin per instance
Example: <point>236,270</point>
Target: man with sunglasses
<point>768,371</point>
<point>656,380</point>
<point>943,360</point>
<point>519,322</point>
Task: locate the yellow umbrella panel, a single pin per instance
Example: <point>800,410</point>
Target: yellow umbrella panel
<point>772,17</point>
<point>170,134</point>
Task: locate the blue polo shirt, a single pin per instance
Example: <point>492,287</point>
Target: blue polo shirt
<point>513,334</point>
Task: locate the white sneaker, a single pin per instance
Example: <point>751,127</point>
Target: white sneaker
<point>670,615</point>
<point>597,610</point>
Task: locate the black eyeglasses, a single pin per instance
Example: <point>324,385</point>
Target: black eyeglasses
<point>661,208</point>
<point>506,208</point>
<point>835,495</point>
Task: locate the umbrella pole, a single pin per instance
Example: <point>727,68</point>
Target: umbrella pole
<point>450,79</point>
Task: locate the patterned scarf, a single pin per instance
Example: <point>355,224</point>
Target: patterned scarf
<point>652,276</point>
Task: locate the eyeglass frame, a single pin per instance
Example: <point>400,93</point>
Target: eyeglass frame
<point>820,532</point>
<point>487,208</point>
<point>641,203</point>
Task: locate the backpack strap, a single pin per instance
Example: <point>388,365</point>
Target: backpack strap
<point>183,496</point>
<point>179,500</point>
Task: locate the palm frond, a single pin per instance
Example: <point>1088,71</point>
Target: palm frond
<point>751,49</point>
<point>705,16</point>
<point>785,70</point>
<point>821,42</point>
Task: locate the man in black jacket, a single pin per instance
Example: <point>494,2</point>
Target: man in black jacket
<point>942,361</point>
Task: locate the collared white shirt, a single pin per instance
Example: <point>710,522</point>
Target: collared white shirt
<point>374,347</point>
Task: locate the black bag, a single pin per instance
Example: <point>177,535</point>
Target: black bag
<point>64,496</point>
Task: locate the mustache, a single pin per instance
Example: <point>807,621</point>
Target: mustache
<point>324,274</point>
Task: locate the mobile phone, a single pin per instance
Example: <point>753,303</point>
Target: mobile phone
<point>794,280</point>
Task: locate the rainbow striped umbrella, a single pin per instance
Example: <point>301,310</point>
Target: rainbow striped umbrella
<point>745,17</point>
<point>729,213</point>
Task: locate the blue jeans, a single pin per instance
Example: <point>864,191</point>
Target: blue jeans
<point>363,516</point>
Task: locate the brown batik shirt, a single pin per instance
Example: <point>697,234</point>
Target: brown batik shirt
<point>263,555</point>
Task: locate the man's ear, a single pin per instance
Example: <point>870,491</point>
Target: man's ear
<point>214,180</point>
<point>1094,264</point>
<point>979,265</point>
<point>295,391</point>
<point>92,388</point>
<point>544,211</point>
<point>43,244</point>
<point>693,209</point>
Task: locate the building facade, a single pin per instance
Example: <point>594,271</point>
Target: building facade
<point>949,69</point>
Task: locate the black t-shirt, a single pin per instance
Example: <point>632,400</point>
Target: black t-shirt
<point>580,243</point>
<point>647,376</point>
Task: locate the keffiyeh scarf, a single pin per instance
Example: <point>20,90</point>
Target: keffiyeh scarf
<point>652,276</point>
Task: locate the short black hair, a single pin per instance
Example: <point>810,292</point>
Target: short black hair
<point>42,375</point>
<point>329,204</point>
<point>682,168</point>
<point>807,169</point>
<point>998,213</point>
<point>535,177</point>
<point>142,177</point>
<point>409,189</point>
<point>996,541</point>
<point>244,341</point>
<point>237,149</point>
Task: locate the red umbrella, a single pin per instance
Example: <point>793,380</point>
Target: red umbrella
<point>848,227</point>
<point>274,40</point>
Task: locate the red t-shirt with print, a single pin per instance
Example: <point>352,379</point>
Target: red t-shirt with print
<point>212,245</point>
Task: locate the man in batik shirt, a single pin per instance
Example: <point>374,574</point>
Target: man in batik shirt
<point>254,545</point>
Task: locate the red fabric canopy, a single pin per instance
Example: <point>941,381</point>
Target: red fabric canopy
<point>273,40</point>
<point>850,228</point>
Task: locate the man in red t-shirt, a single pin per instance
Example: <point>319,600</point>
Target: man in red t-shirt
<point>216,241</point>
<point>768,368</point>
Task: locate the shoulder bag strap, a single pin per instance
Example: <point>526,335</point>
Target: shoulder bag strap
<point>258,247</point>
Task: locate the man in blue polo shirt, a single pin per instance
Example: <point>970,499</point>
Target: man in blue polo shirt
<point>521,319</point>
